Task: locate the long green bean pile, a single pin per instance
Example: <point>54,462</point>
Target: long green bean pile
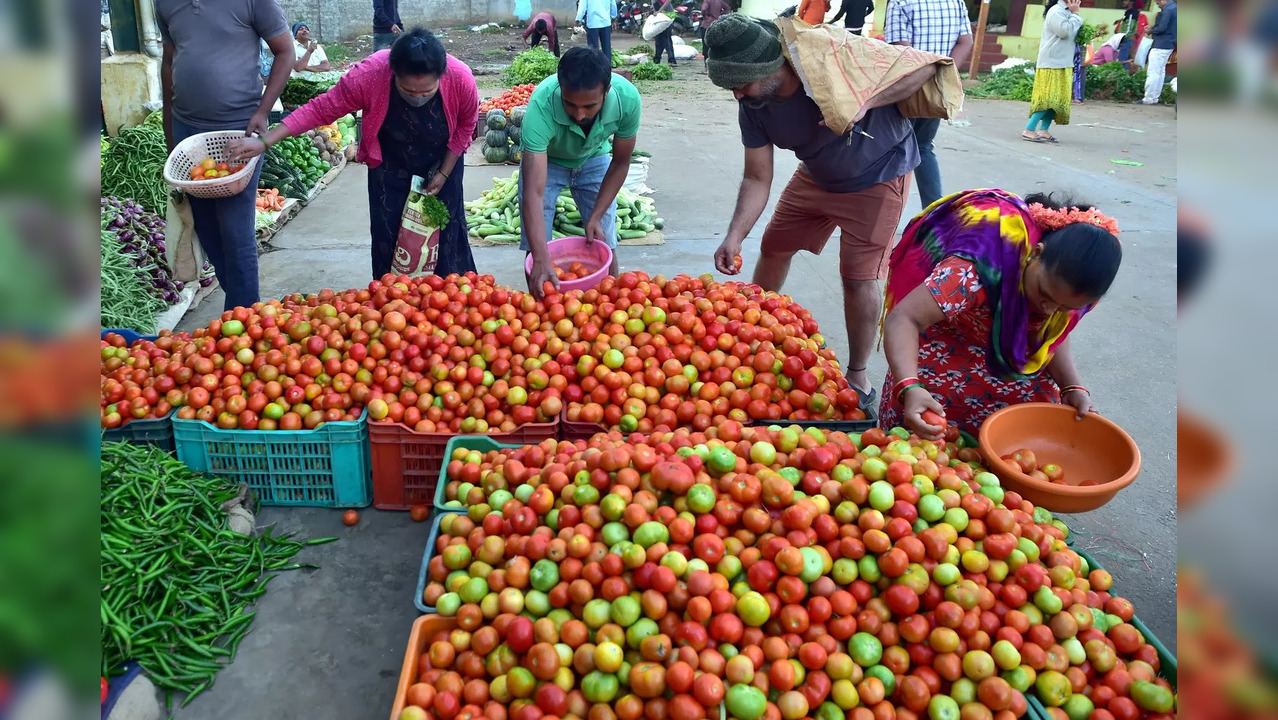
<point>133,167</point>
<point>126,301</point>
<point>176,582</point>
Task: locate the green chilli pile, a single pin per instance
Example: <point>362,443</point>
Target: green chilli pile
<point>177,583</point>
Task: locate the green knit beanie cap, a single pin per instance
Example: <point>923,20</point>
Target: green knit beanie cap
<point>740,50</point>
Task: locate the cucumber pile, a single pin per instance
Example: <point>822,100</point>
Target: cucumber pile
<point>495,215</point>
<point>293,166</point>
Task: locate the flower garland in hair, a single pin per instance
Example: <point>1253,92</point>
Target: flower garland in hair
<point>1049,219</point>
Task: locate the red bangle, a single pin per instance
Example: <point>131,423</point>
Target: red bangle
<point>1072,388</point>
<point>900,384</point>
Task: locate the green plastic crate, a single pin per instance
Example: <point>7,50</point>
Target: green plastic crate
<point>1167,661</point>
<point>479,443</point>
<point>431,538</point>
<point>324,467</point>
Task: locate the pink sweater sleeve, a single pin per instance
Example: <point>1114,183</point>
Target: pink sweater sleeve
<point>342,99</point>
<point>465,107</point>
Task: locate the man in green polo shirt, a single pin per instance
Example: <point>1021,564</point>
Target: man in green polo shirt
<point>579,133</point>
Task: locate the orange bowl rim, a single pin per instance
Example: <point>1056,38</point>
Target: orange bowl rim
<point>1109,488</point>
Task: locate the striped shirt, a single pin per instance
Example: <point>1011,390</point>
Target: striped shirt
<point>928,25</point>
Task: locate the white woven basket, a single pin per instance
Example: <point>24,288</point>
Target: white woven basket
<point>191,151</point>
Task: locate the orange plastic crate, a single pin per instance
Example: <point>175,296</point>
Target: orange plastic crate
<point>406,464</point>
<point>424,628</point>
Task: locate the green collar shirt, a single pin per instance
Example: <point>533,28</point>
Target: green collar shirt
<point>548,129</point>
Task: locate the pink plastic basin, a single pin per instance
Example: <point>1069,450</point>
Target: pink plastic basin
<point>565,251</point>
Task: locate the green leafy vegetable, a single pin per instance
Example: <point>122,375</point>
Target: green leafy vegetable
<point>532,66</point>
<point>651,71</point>
<point>434,211</point>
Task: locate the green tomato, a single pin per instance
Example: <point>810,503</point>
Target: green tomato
<point>625,611</point>
<point>612,507</point>
<point>537,603</point>
<point>596,613</point>
<point>1078,707</point>
<point>882,496</point>
<point>791,474</point>
<point>874,469</point>
<point>701,498</point>
<point>763,453</point>
<point>745,702</point>
<point>599,687</point>
<point>614,532</point>
<point>753,609</point>
<point>986,479</point>
<point>544,575</point>
<point>845,571</point>
<point>231,328</point>
<point>642,628</point>
<point>1053,688</point>
<point>1047,601</point>
<point>946,574</point>
<point>868,567</point>
<point>651,533</point>
<point>942,707</point>
<point>813,565</point>
<point>931,508</point>
<point>957,518</point>
<point>963,691</point>
<point>448,604</point>
<point>474,590</point>
<point>865,649</point>
<point>993,492</point>
<point>721,460</point>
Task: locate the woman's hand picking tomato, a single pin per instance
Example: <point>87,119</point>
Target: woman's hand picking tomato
<point>923,414</point>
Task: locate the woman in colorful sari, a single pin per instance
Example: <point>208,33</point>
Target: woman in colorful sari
<point>982,293</point>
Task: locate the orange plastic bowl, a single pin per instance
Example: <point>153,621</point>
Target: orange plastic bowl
<point>1093,448</point>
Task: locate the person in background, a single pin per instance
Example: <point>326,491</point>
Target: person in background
<point>813,12</point>
<point>940,27</point>
<point>1080,75</point>
<point>542,26</point>
<point>597,16</point>
<point>1054,75</point>
<point>856,182</point>
<point>575,120</point>
<point>1108,52</point>
<point>853,14</point>
<point>420,106</point>
<point>1164,35</point>
<point>711,10</point>
<point>984,290</point>
<point>664,42</point>
<point>211,81</point>
<point>1132,25</point>
<point>386,23</point>
<point>310,56</point>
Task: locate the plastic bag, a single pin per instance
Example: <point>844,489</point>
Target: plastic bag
<point>417,250</point>
<point>655,25</point>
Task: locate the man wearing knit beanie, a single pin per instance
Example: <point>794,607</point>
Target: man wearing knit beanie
<point>856,182</point>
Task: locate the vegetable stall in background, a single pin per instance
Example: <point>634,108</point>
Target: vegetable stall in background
<point>495,215</point>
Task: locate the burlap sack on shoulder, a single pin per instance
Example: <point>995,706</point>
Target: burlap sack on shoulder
<point>842,71</point>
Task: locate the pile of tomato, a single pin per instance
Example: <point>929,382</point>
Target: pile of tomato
<point>463,354</point>
<point>781,573</point>
<point>209,169</point>
<point>509,99</point>
<point>576,270</point>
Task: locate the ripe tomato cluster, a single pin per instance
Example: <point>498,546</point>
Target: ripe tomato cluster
<point>462,354</point>
<point>575,271</point>
<point>787,574</point>
<point>209,169</point>
<point>656,352</point>
<point>1025,459</point>
<point>509,99</point>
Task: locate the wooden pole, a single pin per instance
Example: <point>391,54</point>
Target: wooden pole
<point>979,43</point>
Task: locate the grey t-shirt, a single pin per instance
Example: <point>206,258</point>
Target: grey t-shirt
<point>216,60</point>
<point>837,165</point>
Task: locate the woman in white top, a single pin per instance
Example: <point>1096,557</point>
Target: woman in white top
<point>310,56</point>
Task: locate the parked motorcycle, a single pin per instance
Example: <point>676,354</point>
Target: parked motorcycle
<point>630,16</point>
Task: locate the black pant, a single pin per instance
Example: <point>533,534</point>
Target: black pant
<point>665,42</point>
<point>552,41</point>
<point>600,39</point>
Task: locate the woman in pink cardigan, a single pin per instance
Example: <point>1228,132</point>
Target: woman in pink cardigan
<point>420,106</point>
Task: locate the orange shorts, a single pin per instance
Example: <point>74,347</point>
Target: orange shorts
<point>806,215</point>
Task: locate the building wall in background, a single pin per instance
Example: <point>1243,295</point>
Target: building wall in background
<point>338,20</point>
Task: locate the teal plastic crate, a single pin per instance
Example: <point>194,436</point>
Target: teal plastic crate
<point>480,443</point>
<point>324,467</point>
<point>431,539</point>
